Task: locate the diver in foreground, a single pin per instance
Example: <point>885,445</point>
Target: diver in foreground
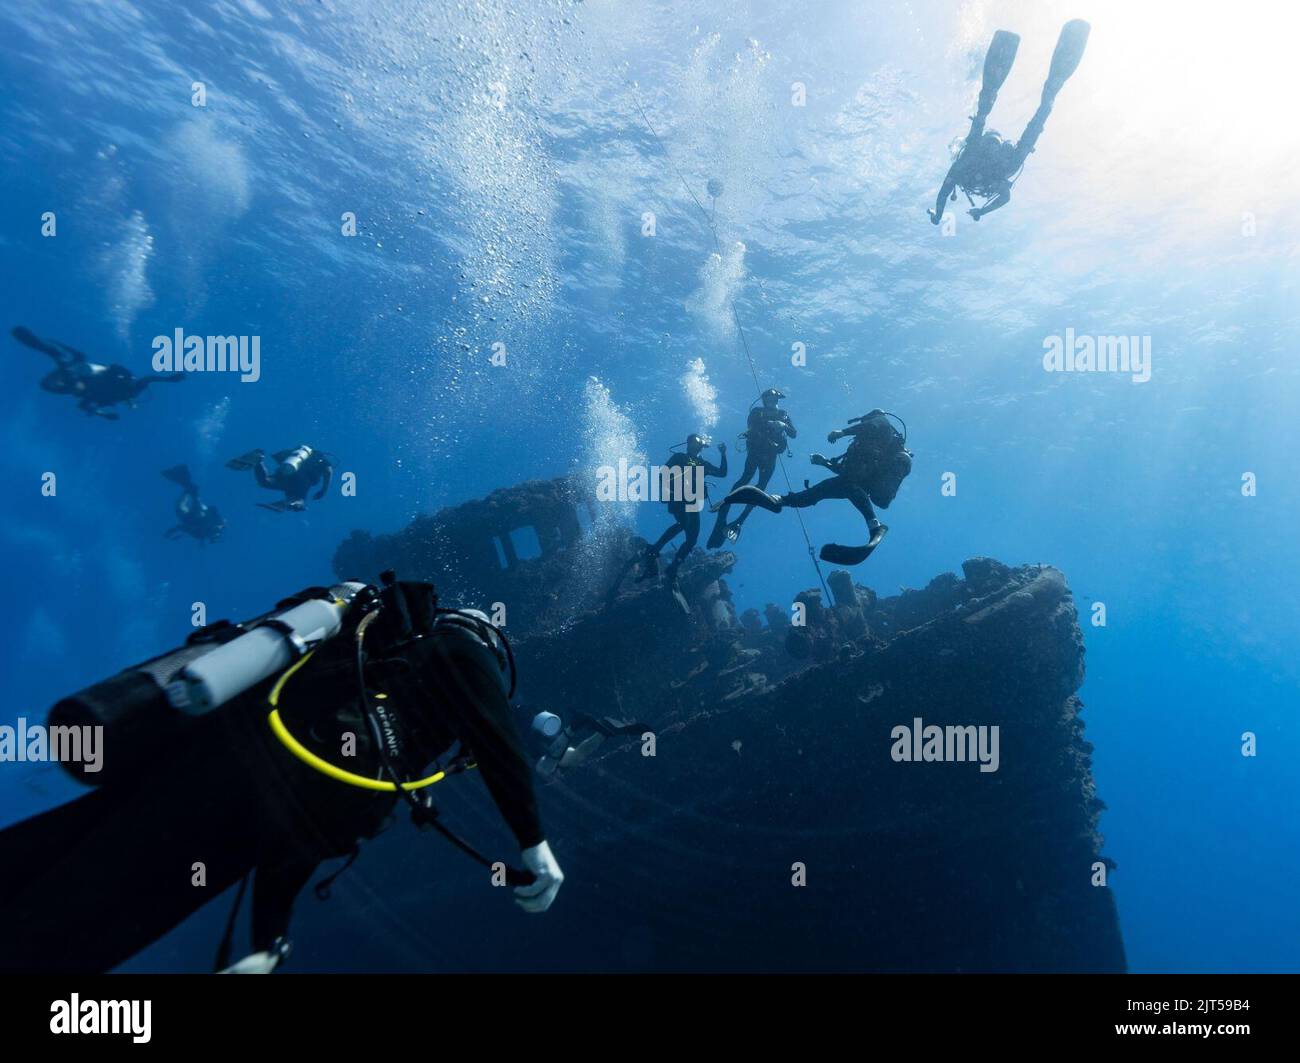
<point>262,749</point>
<point>685,511</point>
<point>873,468</point>
<point>95,386</point>
<point>295,472</point>
<point>197,519</point>
<point>766,434</point>
<point>987,165</point>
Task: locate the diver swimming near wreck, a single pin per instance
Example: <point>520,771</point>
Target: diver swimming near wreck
<point>261,749</point>
<point>766,435</point>
<point>682,506</point>
<point>872,469</point>
<point>294,472</point>
<point>986,165</point>
<point>96,387</point>
<point>196,518</point>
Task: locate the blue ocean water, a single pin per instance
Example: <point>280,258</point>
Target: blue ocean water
<point>532,179</point>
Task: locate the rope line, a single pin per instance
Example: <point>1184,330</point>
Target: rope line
<point>740,325</point>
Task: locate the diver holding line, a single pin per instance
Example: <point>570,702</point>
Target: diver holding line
<point>986,165</point>
<point>366,687</point>
<point>767,431</point>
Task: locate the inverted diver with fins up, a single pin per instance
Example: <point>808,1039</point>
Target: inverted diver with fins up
<point>987,166</point>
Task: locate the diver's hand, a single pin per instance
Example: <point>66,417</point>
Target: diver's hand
<point>975,213</point>
<point>835,436</point>
<point>537,896</point>
<point>820,459</point>
<point>722,448</point>
<point>934,218</point>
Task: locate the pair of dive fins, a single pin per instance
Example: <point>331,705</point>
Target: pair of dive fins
<point>1002,54</point>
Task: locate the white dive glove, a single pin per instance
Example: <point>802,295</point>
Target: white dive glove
<point>261,962</point>
<point>538,896</point>
<point>257,963</point>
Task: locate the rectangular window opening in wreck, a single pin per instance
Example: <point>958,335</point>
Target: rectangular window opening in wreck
<point>585,517</point>
<point>526,543</point>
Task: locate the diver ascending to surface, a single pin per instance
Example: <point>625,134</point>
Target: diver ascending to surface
<point>295,472</point>
<point>224,763</point>
<point>768,429</point>
<point>684,504</point>
<point>95,386</point>
<point>873,468</point>
<point>987,165</point>
<point>197,519</point>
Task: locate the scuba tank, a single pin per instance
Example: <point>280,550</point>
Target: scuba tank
<point>878,457</point>
<point>150,703</point>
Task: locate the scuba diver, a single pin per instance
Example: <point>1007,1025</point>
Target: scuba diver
<point>872,469</point>
<point>259,750</point>
<point>95,386</point>
<point>765,437</point>
<point>295,473</point>
<point>986,165</point>
<point>197,519</point>
<point>684,511</point>
<point>559,745</point>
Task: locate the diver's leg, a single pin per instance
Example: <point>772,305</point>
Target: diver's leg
<point>264,472</point>
<point>1034,130</point>
<point>275,886</point>
<point>719,534</point>
<point>55,350</point>
<point>691,525</point>
<point>90,884</point>
<point>834,487</point>
<point>855,555</point>
<point>764,478</point>
<point>668,536</point>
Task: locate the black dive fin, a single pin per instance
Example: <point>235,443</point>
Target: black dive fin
<point>1069,51</point>
<point>719,534</point>
<point>997,65</point>
<point>245,461</point>
<point>28,338</point>
<point>853,555</point>
<point>750,495</point>
<point>179,474</point>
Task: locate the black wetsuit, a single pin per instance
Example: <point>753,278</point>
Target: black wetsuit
<point>95,386</point>
<point>295,473</point>
<point>197,519</point>
<point>685,519</point>
<point>766,433</point>
<point>86,886</point>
